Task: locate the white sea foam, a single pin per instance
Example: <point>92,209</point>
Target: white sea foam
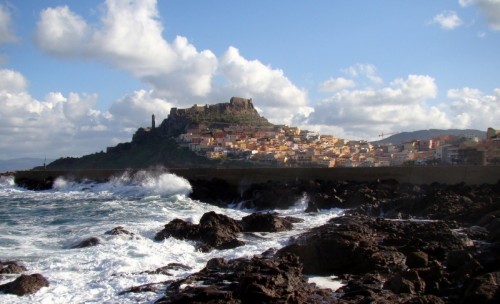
<point>37,229</point>
<point>326,282</point>
<point>6,181</point>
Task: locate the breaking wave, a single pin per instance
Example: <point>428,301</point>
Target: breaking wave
<point>140,183</point>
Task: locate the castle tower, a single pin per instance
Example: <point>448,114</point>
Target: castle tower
<point>153,124</point>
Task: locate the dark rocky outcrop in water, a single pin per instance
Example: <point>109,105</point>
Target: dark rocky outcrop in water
<point>119,231</point>
<point>88,242</point>
<point>25,284</point>
<point>255,280</point>
<point>378,249</point>
<point>386,198</point>
<point>11,267</point>
<point>217,231</point>
<point>388,261</point>
<point>214,231</point>
<point>265,222</point>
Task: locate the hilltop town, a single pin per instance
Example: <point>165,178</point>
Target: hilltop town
<point>235,131</point>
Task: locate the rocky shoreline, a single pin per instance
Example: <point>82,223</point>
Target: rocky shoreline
<point>396,243</point>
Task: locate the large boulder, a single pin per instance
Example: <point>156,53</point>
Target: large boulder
<point>265,222</point>
<point>25,284</point>
<point>214,231</point>
<point>344,245</point>
<point>220,232</point>
<point>88,242</point>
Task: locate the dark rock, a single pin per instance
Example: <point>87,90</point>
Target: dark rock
<point>214,231</point>
<point>406,282</point>
<point>494,230</point>
<point>178,229</point>
<point>483,289</point>
<point>457,258</point>
<point>150,287</point>
<point>35,184</point>
<point>89,242</point>
<point>344,245</point>
<point>25,284</point>
<point>119,231</point>
<point>425,299</point>
<point>165,269</point>
<point>417,259</point>
<point>178,266</point>
<point>218,231</point>
<point>312,207</point>
<point>265,222</point>
<point>10,267</point>
<point>212,219</point>
<point>256,280</point>
<point>272,195</point>
<point>216,192</point>
<point>489,256</point>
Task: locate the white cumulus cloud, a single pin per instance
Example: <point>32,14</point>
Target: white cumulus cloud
<point>365,112</point>
<point>472,108</point>
<point>62,32</point>
<point>336,84</point>
<point>277,96</point>
<point>56,126</point>
<point>128,36</point>
<point>136,109</point>
<point>12,81</point>
<point>448,20</point>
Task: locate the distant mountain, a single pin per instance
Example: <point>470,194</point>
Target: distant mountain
<point>428,134</point>
<point>21,163</point>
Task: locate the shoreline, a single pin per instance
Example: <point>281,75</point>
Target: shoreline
<point>376,249</point>
<point>469,175</point>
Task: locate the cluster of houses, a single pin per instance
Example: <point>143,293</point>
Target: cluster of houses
<point>284,146</point>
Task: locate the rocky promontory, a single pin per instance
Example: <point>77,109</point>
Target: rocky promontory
<point>157,145</point>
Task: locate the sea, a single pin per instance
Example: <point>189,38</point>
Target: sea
<point>39,228</point>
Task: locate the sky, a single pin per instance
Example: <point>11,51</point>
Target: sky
<point>79,76</point>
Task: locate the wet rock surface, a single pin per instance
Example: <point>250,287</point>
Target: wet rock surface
<point>387,260</point>
<point>120,230</point>
<point>25,284</point>
<point>397,243</point>
<point>88,242</point>
<point>255,280</point>
<point>217,231</point>
<point>11,267</point>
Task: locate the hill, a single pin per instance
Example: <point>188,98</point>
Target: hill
<point>428,134</point>
<point>238,111</point>
<point>157,146</point>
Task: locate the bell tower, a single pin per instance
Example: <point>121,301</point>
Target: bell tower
<point>153,124</point>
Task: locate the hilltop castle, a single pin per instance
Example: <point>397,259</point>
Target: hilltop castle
<point>236,104</point>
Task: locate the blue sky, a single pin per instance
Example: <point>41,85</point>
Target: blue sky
<point>78,76</point>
